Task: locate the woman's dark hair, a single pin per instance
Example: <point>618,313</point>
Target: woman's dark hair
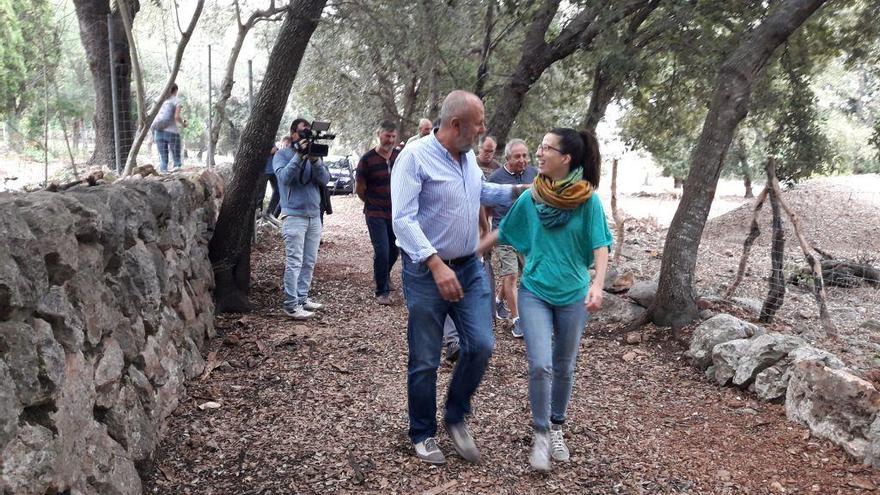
<point>173,89</point>
<point>584,151</point>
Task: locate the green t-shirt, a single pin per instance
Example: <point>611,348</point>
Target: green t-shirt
<point>557,259</point>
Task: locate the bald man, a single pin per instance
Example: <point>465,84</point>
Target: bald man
<point>436,192</point>
<point>424,129</point>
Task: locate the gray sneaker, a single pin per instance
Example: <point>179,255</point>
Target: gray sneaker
<point>428,451</point>
<point>516,330</point>
<point>540,457</point>
<point>558,449</point>
<point>463,442</point>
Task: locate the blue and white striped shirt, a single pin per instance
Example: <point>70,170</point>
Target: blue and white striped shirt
<point>435,201</point>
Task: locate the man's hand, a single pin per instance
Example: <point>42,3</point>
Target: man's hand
<point>594,299</point>
<point>444,277</point>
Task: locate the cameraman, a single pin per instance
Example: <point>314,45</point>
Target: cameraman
<point>299,177</point>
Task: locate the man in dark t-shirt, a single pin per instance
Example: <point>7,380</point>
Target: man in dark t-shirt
<point>373,186</point>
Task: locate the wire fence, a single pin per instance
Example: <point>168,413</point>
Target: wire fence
<point>53,142</point>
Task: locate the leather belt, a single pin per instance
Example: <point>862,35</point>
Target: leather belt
<point>458,261</point>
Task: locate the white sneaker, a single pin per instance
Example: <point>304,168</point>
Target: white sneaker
<point>558,449</point>
<point>299,313</point>
<point>540,457</point>
<point>312,305</point>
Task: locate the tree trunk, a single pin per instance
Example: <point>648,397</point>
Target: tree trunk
<point>677,182</point>
<point>226,90</point>
<point>92,17</point>
<point>483,67</point>
<point>754,232</point>
<point>229,75</point>
<point>776,293</point>
<point>602,93</point>
<point>538,54</point>
<point>229,246</point>
<point>675,304</point>
<point>606,83</point>
<point>747,182</point>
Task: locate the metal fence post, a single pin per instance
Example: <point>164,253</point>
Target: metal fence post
<point>210,158</point>
<point>116,144</point>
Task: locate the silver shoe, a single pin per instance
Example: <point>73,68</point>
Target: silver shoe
<point>463,442</point>
<point>428,451</point>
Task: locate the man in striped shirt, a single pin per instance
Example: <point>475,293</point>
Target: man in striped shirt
<point>436,191</point>
<point>373,186</point>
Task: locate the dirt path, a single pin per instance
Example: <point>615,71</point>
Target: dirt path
<point>321,408</point>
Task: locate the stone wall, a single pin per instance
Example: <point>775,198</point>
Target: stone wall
<point>105,301</point>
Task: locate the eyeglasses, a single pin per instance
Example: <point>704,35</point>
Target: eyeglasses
<point>545,147</point>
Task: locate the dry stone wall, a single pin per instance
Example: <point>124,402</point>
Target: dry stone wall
<point>105,302</point>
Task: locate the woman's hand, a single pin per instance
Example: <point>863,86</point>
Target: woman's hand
<point>594,298</point>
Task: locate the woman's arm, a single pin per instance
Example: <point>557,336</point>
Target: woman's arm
<point>597,287</point>
<point>177,118</point>
<point>487,242</point>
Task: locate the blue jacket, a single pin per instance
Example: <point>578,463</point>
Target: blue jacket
<point>299,183</point>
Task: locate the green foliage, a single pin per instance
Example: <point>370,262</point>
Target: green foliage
<point>27,51</point>
<point>797,139</point>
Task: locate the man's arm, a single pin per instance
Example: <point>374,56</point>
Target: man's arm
<point>320,174</point>
<point>289,170</point>
<point>406,185</point>
<point>360,182</point>
<point>493,194</point>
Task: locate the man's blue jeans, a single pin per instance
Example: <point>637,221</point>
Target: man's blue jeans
<point>167,141</point>
<point>427,312</point>
<point>385,252</point>
<point>302,235</point>
<point>552,336</point>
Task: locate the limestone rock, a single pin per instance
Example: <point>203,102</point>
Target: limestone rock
<point>741,360</point>
<point>872,325</point>
<point>643,292</point>
<point>753,306</point>
<point>9,406</point>
<point>131,426</point>
<point>771,383</point>
<point>616,309</point>
<point>29,462</point>
<point>717,330</point>
<point>107,468</point>
<point>55,308</point>
<point>835,405</point>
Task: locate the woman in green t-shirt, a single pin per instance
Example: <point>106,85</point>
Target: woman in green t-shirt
<point>561,230</point>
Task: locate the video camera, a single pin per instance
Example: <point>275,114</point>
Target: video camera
<point>316,132</point>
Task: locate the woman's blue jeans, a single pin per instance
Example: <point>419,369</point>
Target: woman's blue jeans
<point>167,141</point>
<point>552,336</point>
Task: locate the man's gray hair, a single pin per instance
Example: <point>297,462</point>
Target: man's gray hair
<point>510,144</point>
<point>488,138</point>
<point>455,105</point>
